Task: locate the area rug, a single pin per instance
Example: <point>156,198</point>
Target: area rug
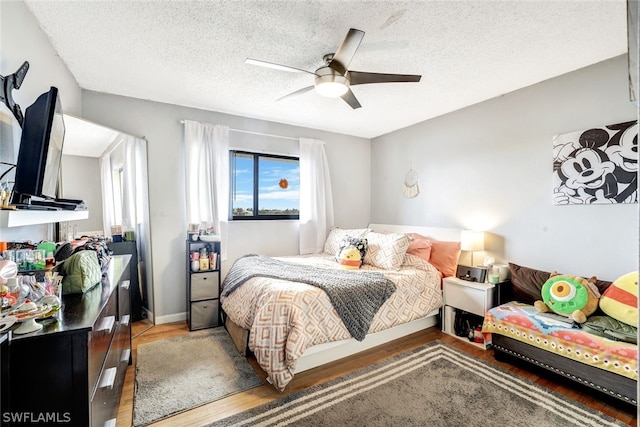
<point>181,373</point>
<point>434,385</point>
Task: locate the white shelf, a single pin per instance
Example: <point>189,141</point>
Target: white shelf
<point>19,218</point>
<point>447,326</point>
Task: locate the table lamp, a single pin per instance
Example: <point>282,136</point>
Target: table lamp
<point>472,241</point>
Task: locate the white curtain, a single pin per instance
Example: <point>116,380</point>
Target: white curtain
<point>207,174</point>
<point>107,193</point>
<point>316,199</point>
<point>135,197</point>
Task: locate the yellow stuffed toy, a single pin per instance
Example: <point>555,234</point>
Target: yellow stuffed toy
<point>571,296</point>
<point>620,300</point>
<point>349,258</point>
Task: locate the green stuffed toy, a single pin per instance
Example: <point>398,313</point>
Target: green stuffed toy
<point>570,296</point>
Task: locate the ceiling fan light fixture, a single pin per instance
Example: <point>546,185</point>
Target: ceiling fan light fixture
<point>332,85</point>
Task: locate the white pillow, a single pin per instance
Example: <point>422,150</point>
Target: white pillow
<point>386,250</point>
<point>332,244</point>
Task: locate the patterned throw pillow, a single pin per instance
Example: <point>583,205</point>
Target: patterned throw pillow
<point>332,244</point>
<point>386,250</point>
<point>358,243</point>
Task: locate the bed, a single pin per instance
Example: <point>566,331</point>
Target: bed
<point>292,326</point>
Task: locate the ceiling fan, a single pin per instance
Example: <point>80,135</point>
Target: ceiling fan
<point>334,78</point>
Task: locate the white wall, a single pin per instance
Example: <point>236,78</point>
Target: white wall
<point>489,167</point>
<point>81,180</point>
<point>21,39</point>
<point>349,158</point>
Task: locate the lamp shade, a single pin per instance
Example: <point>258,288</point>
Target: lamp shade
<point>471,240</point>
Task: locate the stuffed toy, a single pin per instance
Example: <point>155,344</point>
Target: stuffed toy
<point>620,299</point>
<point>570,296</point>
<point>349,258</point>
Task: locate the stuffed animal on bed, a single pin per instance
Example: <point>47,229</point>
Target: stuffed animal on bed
<point>571,296</point>
<point>349,258</point>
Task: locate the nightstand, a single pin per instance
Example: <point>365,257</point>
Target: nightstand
<point>463,295</point>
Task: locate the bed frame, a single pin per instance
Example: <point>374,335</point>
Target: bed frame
<point>507,349</point>
<point>617,386</point>
<point>325,353</point>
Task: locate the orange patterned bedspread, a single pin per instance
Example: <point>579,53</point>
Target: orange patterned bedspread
<point>285,318</point>
<point>518,321</point>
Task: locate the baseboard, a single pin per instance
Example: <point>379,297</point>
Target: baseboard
<point>171,318</point>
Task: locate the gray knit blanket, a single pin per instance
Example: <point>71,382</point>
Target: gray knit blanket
<point>356,295</point>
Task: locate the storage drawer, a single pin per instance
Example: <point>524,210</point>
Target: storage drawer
<point>104,405</point>
<point>124,298</point>
<point>204,286</point>
<point>467,298</point>
<point>204,314</point>
<point>100,338</point>
<point>124,340</point>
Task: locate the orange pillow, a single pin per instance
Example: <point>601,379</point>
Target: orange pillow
<point>444,256</point>
<point>419,246</point>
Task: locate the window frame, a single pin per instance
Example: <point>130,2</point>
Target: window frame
<point>256,177</point>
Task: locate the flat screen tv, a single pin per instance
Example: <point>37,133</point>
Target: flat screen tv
<point>40,153</point>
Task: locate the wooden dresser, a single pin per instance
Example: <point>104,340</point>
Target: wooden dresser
<point>72,371</point>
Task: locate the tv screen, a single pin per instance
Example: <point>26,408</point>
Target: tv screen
<point>40,153</point>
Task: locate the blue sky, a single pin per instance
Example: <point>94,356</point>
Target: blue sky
<point>271,172</point>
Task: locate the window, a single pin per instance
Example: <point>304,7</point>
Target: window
<point>264,186</point>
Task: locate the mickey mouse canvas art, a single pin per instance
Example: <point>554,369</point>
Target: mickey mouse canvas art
<point>598,165</point>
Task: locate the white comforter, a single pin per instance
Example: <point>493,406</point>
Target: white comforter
<point>285,318</point>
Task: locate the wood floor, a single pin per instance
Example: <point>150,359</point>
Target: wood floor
<point>144,333</point>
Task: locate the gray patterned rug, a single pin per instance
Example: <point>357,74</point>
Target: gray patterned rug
<point>181,373</point>
<point>434,385</point>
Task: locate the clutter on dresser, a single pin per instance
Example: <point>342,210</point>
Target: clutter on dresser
<point>204,232</point>
<point>120,234</point>
<point>116,233</point>
<point>25,298</point>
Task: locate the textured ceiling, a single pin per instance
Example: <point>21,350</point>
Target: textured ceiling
<point>192,53</point>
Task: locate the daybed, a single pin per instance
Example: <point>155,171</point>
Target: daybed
<point>517,330</point>
<point>291,326</point>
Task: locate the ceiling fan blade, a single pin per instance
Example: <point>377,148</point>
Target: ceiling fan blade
<point>297,92</point>
<point>343,56</point>
<point>360,78</point>
<point>276,66</point>
<point>351,99</point>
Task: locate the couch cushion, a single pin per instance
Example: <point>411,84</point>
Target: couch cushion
<point>527,283</point>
